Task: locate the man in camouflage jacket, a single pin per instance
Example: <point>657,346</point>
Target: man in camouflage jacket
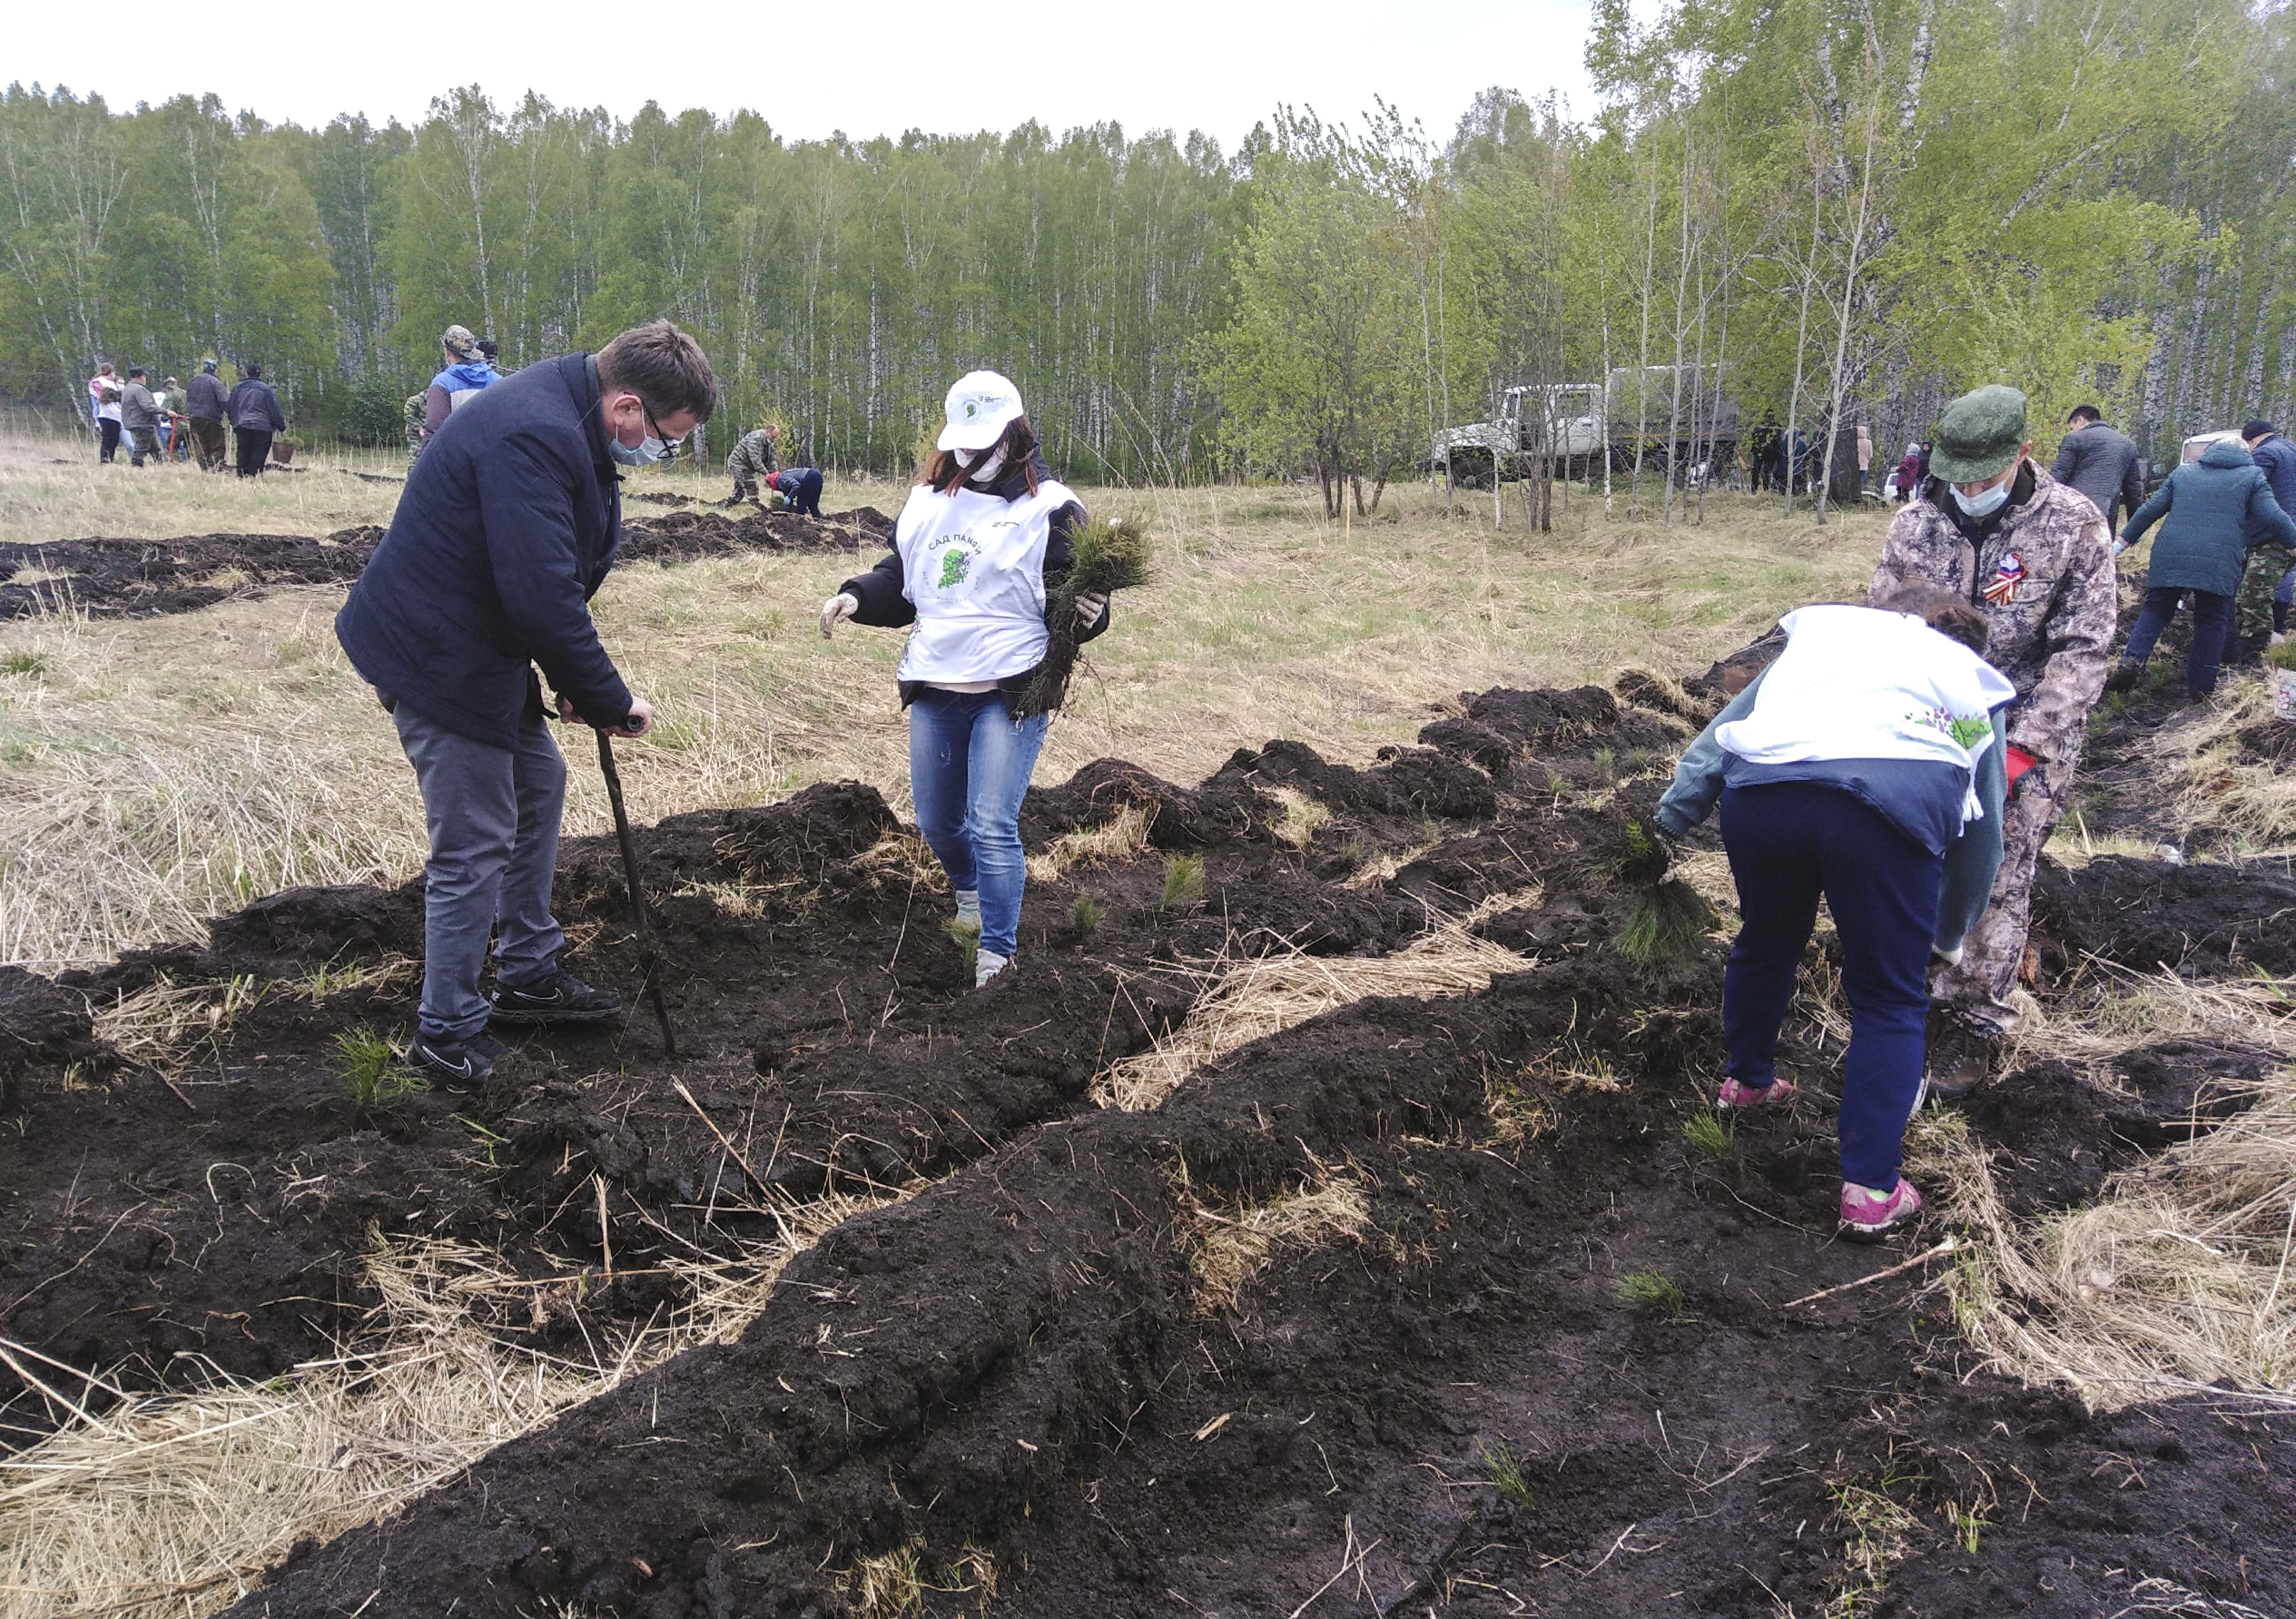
<point>752,457</point>
<point>411,416</point>
<point>2036,559</point>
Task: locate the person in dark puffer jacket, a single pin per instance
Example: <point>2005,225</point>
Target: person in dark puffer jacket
<point>507,528</point>
<point>2210,511</point>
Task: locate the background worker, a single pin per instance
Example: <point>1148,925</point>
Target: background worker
<point>103,410</point>
<point>139,417</point>
<point>2035,557</point>
<point>490,351</point>
<point>752,460</point>
<point>255,417</point>
<point>2101,462</point>
<point>1846,774</point>
<point>2212,512</point>
<point>171,399</point>
<point>507,528</point>
<point>463,375</point>
<point>986,532</point>
<point>2260,611</point>
<point>800,487</point>
<point>205,403</point>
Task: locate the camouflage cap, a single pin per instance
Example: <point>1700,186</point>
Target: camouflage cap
<point>1979,435</point>
<point>459,341</point>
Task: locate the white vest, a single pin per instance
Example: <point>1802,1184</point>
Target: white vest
<point>1864,683</point>
<point>973,565</point>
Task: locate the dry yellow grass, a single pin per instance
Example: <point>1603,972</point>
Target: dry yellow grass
<point>155,772</point>
<point>1236,1246</point>
<point>173,1504</point>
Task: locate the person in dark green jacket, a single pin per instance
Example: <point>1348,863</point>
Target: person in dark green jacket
<point>2210,511</point>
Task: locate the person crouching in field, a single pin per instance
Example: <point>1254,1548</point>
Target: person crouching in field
<point>800,487</point>
<point>1847,773</point>
<point>2210,511</point>
<point>985,532</point>
<point>506,529</point>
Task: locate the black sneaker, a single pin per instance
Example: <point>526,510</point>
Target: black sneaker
<point>457,1065</point>
<point>560,998</point>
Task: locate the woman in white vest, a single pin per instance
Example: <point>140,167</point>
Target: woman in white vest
<point>986,529</point>
<point>1847,773</point>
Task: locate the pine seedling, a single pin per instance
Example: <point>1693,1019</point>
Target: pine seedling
<point>1710,1134</point>
<point>1106,556</point>
<point>966,935</point>
<point>1183,881</point>
<point>1504,1469</point>
<point>1085,916</point>
<point>1651,1293</point>
<point>1668,923</point>
<point>371,1075</point>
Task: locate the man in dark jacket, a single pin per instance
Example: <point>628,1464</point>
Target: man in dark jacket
<point>2101,462</point>
<point>2212,512</point>
<point>2261,609</point>
<point>255,416</point>
<point>140,417</point>
<point>506,529</point>
<point>205,404</point>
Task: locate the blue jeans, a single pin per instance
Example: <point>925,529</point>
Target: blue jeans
<point>493,814</point>
<point>2211,618</point>
<point>1789,842</point>
<point>969,768</point>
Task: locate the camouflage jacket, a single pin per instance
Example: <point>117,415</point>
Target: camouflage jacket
<point>2043,578</point>
<point>752,455</point>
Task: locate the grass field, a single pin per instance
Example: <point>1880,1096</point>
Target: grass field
<point>160,770</point>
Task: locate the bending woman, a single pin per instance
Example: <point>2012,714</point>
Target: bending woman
<point>986,531</point>
<point>1848,776</point>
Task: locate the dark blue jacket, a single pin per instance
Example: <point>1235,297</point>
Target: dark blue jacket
<point>2215,508</point>
<point>2275,458</point>
<point>507,528</point>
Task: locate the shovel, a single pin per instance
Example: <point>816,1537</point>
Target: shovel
<point>649,965</point>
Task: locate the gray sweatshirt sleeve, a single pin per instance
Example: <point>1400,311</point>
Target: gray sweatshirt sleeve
<point>1697,779</point>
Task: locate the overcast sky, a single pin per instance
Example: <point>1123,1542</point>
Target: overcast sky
<point>871,67</point>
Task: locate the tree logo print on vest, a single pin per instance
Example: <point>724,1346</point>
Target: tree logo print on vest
<point>955,563</point>
<point>2006,577</point>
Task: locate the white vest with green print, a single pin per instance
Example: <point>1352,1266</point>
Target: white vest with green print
<point>973,565</point>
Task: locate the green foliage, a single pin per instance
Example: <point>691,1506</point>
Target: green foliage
<point>1183,881</point>
<point>23,661</point>
<point>1086,915</point>
<point>1505,1469</point>
<point>1669,923</point>
<point>1107,555</point>
<point>1651,1293</point>
<point>372,1074</point>
<point>1711,1133</point>
<point>966,935</point>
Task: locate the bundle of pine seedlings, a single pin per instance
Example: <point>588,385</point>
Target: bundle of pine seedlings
<point>1107,555</point>
<point>1670,919</point>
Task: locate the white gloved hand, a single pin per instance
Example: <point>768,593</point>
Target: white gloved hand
<point>1090,609</point>
<point>836,610</point>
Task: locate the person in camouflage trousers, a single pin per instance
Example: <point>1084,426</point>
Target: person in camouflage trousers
<point>410,416</point>
<point>2036,558</point>
<point>751,458</point>
<point>2254,621</point>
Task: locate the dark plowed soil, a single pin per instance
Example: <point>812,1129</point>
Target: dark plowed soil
<point>2208,918</point>
<point>1567,1363</point>
<point>142,578</point>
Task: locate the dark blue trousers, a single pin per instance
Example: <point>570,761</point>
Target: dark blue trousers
<point>2212,621</point>
<point>1790,843</point>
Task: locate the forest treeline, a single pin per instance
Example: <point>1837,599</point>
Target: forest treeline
<point>1844,209</point>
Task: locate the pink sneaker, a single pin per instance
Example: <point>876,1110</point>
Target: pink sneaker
<point>1736,1095</point>
<point>1869,1216</point>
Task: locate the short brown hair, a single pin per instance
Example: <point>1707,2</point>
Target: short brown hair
<point>662,366</point>
<point>1942,611</point>
<point>1019,442</point>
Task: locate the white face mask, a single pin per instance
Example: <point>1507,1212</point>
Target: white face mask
<point>984,473</point>
<point>1986,504</point>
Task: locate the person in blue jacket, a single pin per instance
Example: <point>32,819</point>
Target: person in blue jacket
<point>2210,511</point>
<point>465,372</point>
<point>1848,771</point>
<point>508,527</point>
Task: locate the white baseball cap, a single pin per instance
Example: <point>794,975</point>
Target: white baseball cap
<point>980,405</point>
